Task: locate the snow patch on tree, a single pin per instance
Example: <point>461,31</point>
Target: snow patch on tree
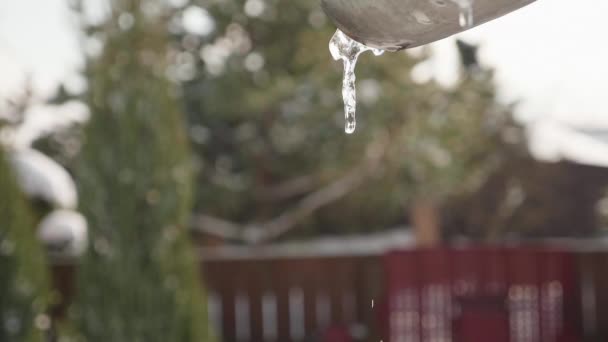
<point>40,176</point>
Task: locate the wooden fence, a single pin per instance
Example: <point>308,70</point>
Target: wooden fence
<point>468,294</point>
<point>293,299</point>
<point>484,294</point>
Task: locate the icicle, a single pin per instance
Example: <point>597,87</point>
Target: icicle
<point>343,47</point>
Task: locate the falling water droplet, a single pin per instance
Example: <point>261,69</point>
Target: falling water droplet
<point>348,50</point>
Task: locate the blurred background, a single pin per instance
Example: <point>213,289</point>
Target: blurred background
<point>176,170</point>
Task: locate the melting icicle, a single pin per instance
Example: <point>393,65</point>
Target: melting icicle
<point>343,47</point>
<point>465,17</point>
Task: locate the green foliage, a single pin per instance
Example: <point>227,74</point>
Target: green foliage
<point>260,126</point>
<point>140,280</point>
<point>23,272</point>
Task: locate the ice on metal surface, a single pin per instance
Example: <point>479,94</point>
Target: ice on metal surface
<point>348,50</point>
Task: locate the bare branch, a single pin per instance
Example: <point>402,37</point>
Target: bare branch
<point>293,187</point>
<point>263,232</point>
<point>217,227</point>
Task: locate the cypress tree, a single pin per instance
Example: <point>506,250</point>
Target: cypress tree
<point>140,280</point>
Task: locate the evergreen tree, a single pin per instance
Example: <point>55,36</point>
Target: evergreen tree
<point>140,280</point>
<point>266,118</point>
<point>23,272</point>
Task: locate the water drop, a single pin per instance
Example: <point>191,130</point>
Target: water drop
<point>465,18</point>
<point>348,50</point>
<point>421,17</point>
<point>465,15</point>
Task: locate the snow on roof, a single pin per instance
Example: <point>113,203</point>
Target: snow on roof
<point>372,244</point>
<point>40,176</point>
<point>555,141</point>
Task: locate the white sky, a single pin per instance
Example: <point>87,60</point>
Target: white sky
<point>550,56</point>
<point>37,40</point>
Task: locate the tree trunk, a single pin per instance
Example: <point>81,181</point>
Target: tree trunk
<point>424,215</point>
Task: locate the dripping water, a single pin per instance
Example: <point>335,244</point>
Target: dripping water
<point>348,50</point>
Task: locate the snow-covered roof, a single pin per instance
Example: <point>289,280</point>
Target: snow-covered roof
<point>42,177</point>
<point>555,141</point>
<point>371,244</point>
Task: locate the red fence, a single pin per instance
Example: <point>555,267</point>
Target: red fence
<point>292,299</point>
<point>281,299</point>
<point>594,284</point>
<point>483,294</point>
<point>449,294</point>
